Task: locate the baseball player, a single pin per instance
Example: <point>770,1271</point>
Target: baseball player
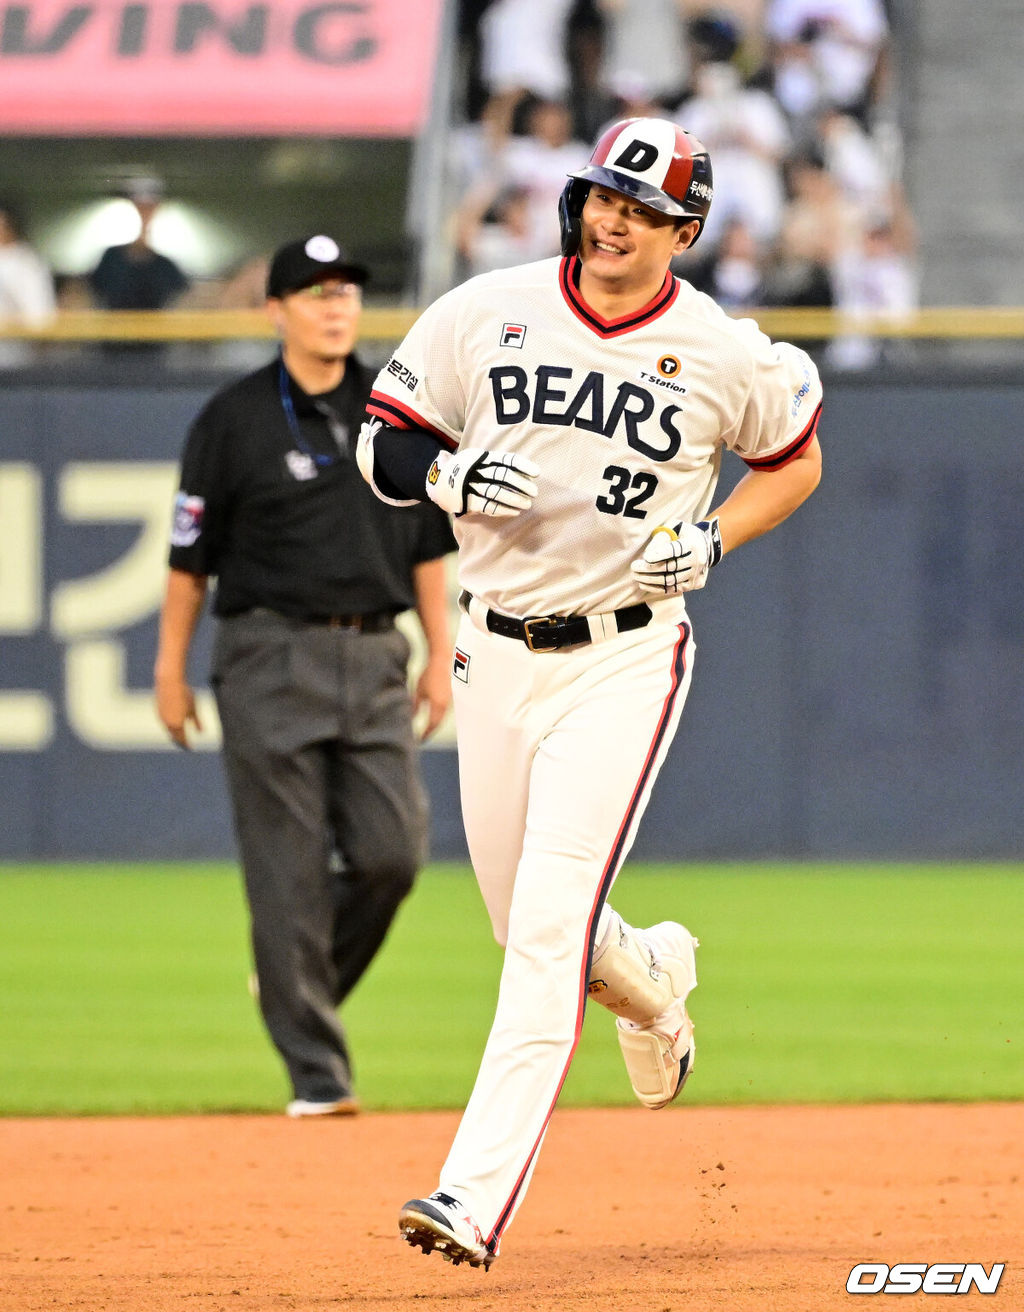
<point>572,415</point>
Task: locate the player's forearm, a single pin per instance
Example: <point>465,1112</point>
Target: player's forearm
<point>764,498</point>
<point>430,585</point>
<point>403,458</point>
<point>179,615</point>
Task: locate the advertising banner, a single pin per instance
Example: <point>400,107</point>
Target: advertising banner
<point>219,67</point>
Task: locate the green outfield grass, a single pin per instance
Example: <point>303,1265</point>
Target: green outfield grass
<point>123,989</point>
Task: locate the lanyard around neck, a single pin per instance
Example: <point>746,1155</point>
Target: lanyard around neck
<point>337,429</point>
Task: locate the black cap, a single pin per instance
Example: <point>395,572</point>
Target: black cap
<point>300,263</point>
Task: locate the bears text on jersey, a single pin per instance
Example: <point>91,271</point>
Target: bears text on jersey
<point>585,405</point>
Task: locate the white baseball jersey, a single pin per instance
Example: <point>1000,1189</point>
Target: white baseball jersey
<point>626,420</point>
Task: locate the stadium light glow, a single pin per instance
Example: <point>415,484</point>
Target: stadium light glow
<point>202,247</point>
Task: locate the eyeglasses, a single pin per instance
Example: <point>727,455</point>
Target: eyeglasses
<point>331,291</point>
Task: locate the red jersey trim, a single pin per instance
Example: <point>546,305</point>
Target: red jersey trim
<point>568,281</point>
<point>783,457</point>
<point>403,416</point>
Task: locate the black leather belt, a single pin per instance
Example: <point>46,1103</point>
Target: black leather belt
<point>553,632</point>
<point>379,622</point>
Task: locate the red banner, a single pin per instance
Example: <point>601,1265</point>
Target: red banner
<point>220,67</point>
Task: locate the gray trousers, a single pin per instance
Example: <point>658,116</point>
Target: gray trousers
<point>330,816</point>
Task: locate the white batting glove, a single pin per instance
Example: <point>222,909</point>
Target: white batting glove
<point>678,559</point>
<point>477,482</point>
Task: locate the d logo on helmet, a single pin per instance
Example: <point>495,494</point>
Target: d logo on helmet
<point>637,157</point>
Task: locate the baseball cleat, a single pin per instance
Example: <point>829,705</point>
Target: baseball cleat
<point>659,1053</point>
<point>441,1222</point>
<point>302,1107</point>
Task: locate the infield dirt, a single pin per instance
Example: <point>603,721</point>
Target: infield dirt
<point>688,1210</point>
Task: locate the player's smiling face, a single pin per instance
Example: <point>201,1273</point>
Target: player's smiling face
<point>626,246</point>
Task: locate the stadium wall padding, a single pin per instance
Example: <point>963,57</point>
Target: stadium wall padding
<point>858,687</point>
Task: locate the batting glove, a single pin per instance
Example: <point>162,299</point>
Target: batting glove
<point>679,559</point>
<point>479,482</point>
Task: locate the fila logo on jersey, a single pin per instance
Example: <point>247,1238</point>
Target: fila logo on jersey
<point>460,665</point>
<point>558,398</point>
<point>513,334</point>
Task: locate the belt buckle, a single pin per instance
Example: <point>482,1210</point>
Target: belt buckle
<point>541,621</point>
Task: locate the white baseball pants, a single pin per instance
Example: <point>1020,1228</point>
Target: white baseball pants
<point>558,752</point>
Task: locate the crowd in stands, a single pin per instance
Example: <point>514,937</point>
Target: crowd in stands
<point>793,99</point>
<point>128,276</point>
<point>26,286</point>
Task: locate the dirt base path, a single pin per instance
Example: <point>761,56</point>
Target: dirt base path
<point>688,1210</point>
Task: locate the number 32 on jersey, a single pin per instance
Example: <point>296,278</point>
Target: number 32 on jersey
<point>626,492</point>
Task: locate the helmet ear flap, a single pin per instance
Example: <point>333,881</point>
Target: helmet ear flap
<point>570,210</point>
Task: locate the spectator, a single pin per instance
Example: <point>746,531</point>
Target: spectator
<point>733,275</point>
<point>474,148</point>
<point>523,52</point>
<point>26,288</point>
<point>628,95</point>
<point>713,36</point>
<point>876,277</point>
<point>244,289</point>
<point>646,38</point>
<point>505,237</point>
<point>536,164</point>
<point>797,274</point>
<point>748,137</point>
<point>134,276</point>
<point>855,162</point>
<point>819,222</point>
<point>825,53</point>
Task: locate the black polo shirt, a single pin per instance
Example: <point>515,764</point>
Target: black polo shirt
<point>272,503</point>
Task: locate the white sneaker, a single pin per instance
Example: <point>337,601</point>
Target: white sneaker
<point>441,1222</point>
<point>300,1107</point>
<point>659,1053</point>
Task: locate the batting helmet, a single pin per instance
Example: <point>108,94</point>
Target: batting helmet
<point>652,159</point>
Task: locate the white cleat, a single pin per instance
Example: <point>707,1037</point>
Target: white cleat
<point>299,1108</point>
<point>659,1053</point>
<point>441,1222</point>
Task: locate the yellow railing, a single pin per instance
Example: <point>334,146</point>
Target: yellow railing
<point>391,324</point>
<point>378,324</point>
